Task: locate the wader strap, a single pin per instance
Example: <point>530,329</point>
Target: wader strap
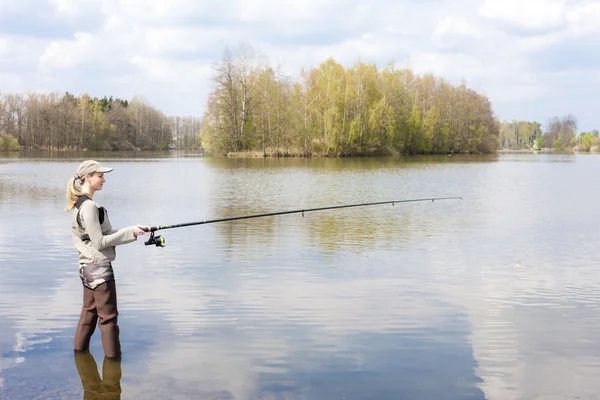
<point>80,200</point>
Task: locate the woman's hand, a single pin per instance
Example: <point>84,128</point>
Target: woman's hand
<point>139,230</point>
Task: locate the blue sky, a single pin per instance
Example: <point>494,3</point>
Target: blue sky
<point>534,59</point>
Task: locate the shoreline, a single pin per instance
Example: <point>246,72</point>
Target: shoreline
<point>284,154</point>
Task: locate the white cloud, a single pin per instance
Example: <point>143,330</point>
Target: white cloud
<point>455,27</point>
<point>141,12</point>
<point>165,51</point>
<point>74,7</point>
<point>583,18</point>
<point>19,51</point>
<point>172,40</point>
<point>283,10</point>
<point>531,14</point>
<point>62,54</point>
<point>519,92</point>
<point>4,47</point>
<point>159,70</point>
<point>539,42</point>
<point>10,6</point>
<point>154,69</point>
<point>454,65</point>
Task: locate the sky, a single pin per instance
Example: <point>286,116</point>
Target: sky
<point>534,59</point>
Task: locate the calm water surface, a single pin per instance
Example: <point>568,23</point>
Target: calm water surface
<point>496,296</point>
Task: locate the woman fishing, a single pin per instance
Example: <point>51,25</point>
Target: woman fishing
<point>95,241</point>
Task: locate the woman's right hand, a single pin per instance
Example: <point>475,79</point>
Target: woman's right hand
<point>139,230</point>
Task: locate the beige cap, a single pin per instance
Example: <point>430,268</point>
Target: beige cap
<point>88,167</point>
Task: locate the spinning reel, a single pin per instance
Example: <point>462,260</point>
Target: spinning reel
<point>156,240</point>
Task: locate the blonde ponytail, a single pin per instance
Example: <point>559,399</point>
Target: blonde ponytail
<point>73,192</point>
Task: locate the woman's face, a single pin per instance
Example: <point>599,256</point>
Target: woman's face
<point>96,181</point>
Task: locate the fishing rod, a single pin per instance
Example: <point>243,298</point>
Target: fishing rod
<point>160,241</point>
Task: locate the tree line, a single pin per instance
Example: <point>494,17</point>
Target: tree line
<point>254,107</point>
<point>335,111</point>
<point>560,134</point>
<point>66,122</point>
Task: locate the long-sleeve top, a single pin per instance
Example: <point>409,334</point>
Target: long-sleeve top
<point>93,235</point>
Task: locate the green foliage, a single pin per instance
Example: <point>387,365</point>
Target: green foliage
<point>586,141</point>
<point>382,126</point>
<point>9,143</point>
<point>557,144</point>
<point>429,131</point>
<point>335,111</point>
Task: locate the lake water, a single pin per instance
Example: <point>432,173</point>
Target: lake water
<point>496,296</point>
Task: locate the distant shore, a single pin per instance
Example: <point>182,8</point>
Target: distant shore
<point>594,149</point>
<point>283,154</point>
<point>295,154</point>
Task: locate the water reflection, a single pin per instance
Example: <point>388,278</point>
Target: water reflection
<point>252,363</point>
<point>495,296</point>
<point>246,185</point>
<point>78,156</point>
<point>364,164</point>
<point>108,386</point>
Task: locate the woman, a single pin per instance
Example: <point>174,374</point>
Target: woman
<point>95,241</point>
